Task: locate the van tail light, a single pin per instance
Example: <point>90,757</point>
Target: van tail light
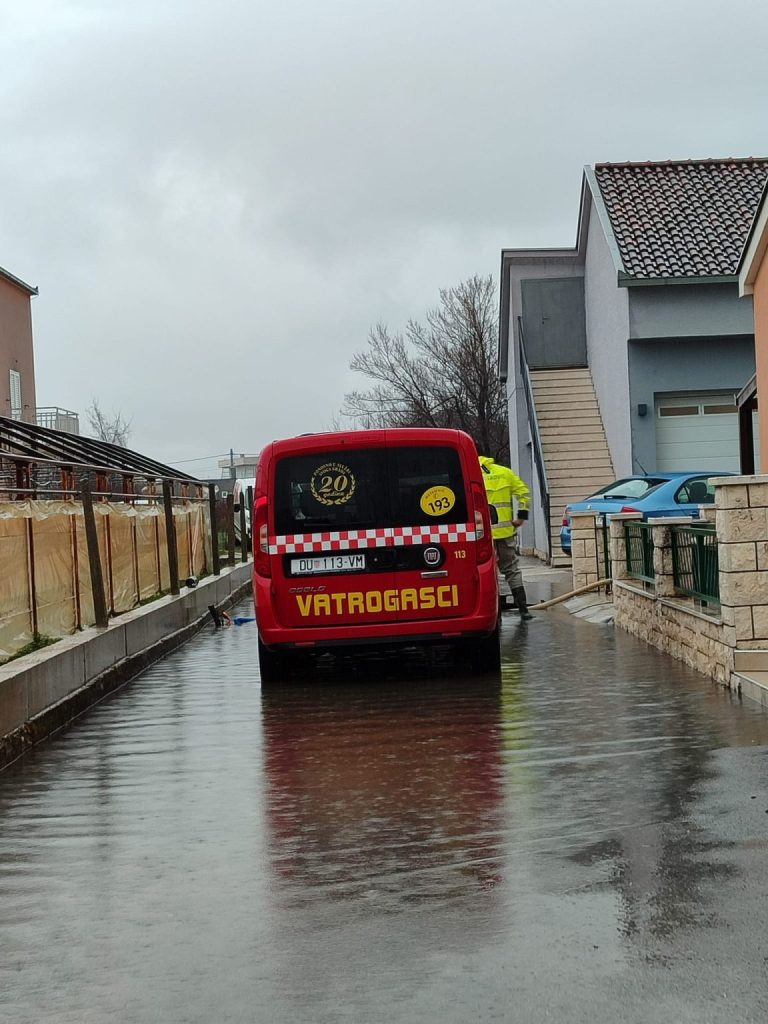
<point>261,533</point>
<point>482,518</point>
<point>628,508</point>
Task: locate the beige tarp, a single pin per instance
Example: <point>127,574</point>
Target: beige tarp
<point>15,614</point>
<point>121,566</point>
<point>147,553</point>
<point>53,575</point>
<point>85,597</point>
<point>45,582</point>
<point>183,546</point>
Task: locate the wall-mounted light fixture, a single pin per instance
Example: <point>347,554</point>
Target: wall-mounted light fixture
<point>642,409</point>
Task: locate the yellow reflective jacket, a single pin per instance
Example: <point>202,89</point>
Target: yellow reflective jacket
<point>501,485</point>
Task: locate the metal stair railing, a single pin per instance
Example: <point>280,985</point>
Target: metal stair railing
<point>533,426</point>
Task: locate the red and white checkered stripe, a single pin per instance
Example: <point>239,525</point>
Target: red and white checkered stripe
<point>385,537</point>
<point>450,533</point>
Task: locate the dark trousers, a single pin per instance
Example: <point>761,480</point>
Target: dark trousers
<point>509,561</point>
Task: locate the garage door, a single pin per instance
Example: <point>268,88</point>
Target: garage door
<point>699,432</point>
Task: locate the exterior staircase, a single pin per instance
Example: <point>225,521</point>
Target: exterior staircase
<point>751,675</point>
<point>575,451</point>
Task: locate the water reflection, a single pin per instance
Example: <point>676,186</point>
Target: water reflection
<point>392,845</point>
<point>622,746</point>
<point>389,790</point>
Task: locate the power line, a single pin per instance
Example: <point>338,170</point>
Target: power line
<point>203,458</point>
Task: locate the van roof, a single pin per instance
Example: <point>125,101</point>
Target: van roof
<point>396,435</point>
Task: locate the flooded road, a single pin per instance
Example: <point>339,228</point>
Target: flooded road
<point>584,839</point>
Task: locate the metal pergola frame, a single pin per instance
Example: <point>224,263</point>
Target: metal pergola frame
<point>28,442</point>
<point>40,463</point>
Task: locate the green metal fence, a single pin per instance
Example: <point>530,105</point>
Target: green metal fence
<point>603,547</point>
<point>639,544</point>
<point>695,564</point>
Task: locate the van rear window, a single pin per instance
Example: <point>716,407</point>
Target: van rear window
<point>342,490</point>
<point>427,486</point>
<point>367,488</point>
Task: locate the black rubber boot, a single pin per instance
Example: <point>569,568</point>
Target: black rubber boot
<point>522,603</point>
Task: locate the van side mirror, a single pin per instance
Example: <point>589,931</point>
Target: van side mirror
<point>236,506</point>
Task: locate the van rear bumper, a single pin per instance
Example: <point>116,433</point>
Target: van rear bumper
<point>480,623</point>
<point>404,634</point>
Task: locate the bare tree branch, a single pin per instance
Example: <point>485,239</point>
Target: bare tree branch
<point>114,428</point>
<point>441,372</point>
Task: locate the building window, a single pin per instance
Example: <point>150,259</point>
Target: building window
<point>16,406</point>
<point>720,410</point>
<point>678,410</point>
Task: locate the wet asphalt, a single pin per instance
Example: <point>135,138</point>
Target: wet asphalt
<point>584,838</point>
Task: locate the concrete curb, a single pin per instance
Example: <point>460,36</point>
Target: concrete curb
<point>44,691</point>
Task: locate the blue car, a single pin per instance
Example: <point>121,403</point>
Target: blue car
<point>653,494</point>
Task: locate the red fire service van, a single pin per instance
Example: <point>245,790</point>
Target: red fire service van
<point>373,537</point>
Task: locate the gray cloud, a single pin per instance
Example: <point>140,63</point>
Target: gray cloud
<point>217,200</point>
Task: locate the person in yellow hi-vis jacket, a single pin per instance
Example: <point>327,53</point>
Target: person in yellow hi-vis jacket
<point>502,487</point>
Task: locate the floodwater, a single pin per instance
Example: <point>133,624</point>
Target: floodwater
<point>583,839</point>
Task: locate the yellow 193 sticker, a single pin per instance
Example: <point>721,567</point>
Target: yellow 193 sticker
<point>437,501</point>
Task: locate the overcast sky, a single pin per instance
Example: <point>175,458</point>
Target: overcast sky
<point>217,198</point>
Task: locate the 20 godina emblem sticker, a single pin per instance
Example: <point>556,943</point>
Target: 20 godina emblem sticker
<point>333,483</point>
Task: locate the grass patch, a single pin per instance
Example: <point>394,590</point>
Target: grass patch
<point>37,643</point>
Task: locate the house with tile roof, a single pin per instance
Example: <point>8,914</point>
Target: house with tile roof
<point>626,352</point>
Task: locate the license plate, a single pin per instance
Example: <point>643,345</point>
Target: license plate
<point>327,563</point>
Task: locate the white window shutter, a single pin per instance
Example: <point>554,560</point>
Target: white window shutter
<point>16,406</point>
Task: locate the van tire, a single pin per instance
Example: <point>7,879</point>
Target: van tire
<point>272,664</point>
<point>485,654</point>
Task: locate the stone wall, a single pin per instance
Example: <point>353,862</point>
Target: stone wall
<point>587,549</point>
<point>706,638</point>
<point>675,627</point>
<point>583,549</point>
<point>741,505</point>
<point>659,615</point>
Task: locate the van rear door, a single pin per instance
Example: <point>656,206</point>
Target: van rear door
<point>331,555</point>
<point>433,518</point>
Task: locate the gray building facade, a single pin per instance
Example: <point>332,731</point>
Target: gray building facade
<point>647,302</point>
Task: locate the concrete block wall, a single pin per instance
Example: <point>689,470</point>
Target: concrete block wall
<point>46,689</point>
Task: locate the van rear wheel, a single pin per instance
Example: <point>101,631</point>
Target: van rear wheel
<point>485,654</point>
<point>272,664</point>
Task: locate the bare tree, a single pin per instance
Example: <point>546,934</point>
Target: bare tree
<point>113,427</point>
<point>439,373</point>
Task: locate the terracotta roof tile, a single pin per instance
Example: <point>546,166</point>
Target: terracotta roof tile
<point>682,218</point>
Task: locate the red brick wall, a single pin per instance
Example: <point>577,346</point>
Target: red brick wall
<point>16,352</point>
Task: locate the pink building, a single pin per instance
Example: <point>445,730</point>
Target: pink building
<point>17,360</point>
<point>753,280</point>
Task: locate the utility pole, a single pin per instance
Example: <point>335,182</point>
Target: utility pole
<point>231,463</point>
